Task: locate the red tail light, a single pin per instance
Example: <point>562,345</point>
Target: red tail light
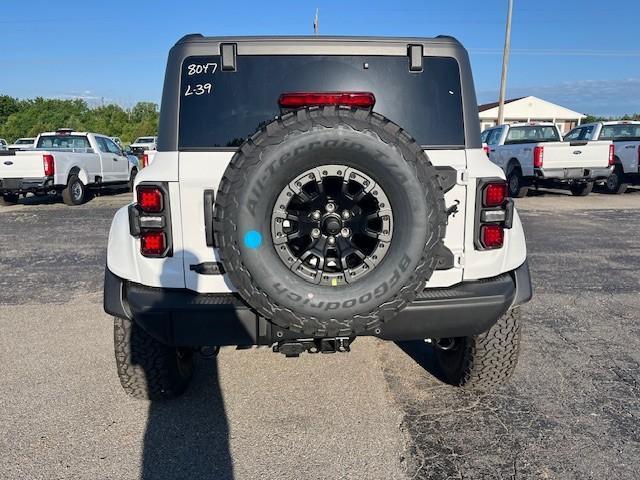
<point>612,154</point>
<point>495,194</point>
<point>486,149</point>
<point>49,165</point>
<point>492,236</point>
<point>153,243</point>
<point>309,99</point>
<point>538,157</point>
<point>145,160</point>
<point>150,199</point>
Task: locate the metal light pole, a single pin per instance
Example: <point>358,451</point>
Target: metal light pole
<point>316,23</point>
<point>505,64</point>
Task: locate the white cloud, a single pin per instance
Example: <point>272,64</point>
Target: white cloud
<point>599,97</point>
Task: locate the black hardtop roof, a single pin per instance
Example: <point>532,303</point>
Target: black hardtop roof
<point>199,38</point>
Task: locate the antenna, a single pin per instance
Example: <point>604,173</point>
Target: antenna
<point>316,23</point>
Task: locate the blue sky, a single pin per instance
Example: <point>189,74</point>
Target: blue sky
<point>582,54</point>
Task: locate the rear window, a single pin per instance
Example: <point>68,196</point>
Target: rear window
<point>532,134</point>
<point>63,141</point>
<point>24,141</point>
<point>144,140</point>
<point>620,132</point>
<point>221,109</point>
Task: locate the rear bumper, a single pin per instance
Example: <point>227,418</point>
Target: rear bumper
<point>185,318</point>
<point>25,185</point>
<point>561,174</point>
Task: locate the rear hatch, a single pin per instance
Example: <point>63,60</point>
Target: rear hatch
<point>220,108</point>
<point>580,154</point>
<point>544,142</point>
<point>21,165</point>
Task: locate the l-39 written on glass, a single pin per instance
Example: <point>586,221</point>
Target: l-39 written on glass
<point>199,89</point>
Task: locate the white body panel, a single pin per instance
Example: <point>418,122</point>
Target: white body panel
<point>627,152</point>
<point>91,165</point>
<point>190,173</point>
<point>557,155</point>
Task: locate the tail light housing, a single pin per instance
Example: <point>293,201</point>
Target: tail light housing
<point>538,157</point>
<point>494,213</point>
<point>312,99</point>
<point>150,219</point>
<point>49,165</point>
<point>145,160</point>
<point>495,194</point>
<point>152,243</point>
<point>486,149</point>
<point>150,198</point>
<point>492,236</point>
<point>612,154</point>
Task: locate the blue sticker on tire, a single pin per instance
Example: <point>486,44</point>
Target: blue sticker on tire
<point>252,239</point>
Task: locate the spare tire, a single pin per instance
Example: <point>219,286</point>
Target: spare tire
<point>329,220</point>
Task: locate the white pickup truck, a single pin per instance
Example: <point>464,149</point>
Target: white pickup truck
<point>22,144</point>
<point>143,143</point>
<point>67,162</point>
<point>534,154</point>
<point>625,136</point>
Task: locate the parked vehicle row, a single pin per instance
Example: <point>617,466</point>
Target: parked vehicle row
<point>67,162</point>
<point>535,154</point>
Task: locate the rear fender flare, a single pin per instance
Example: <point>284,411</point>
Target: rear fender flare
<point>513,163</point>
<point>82,175</point>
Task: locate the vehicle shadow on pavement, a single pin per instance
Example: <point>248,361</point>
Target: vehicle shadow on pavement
<point>188,437</point>
<point>424,355</point>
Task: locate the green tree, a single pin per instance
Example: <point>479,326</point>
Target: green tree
<point>8,106</point>
<point>22,118</point>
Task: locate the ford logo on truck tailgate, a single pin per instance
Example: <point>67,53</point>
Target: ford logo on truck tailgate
<point>8,162</point>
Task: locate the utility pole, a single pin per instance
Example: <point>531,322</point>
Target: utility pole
<point>316,24</point>
<point>505,64</point>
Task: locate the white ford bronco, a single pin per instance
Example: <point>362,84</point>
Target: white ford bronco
<point>310,190</point>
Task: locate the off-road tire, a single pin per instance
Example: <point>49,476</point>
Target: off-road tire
<point>9,199</point>
<point>581,189</point>
<point>485,361</point>
<point>293,308</point>
<point>147,368</point>
<point>69,196</point>
<point>615,184</point>
<point>515,182</point>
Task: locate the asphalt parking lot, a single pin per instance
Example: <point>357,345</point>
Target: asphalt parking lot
<point>572,410</point>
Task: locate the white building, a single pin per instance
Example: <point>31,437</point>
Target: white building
<point>529,109</point>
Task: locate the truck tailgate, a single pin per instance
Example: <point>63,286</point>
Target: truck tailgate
<point>576,154</point>
<point>27,164</point>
